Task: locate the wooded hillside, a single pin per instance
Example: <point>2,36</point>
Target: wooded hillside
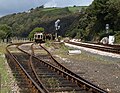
<point>23,23</point>
<point>87,23</point>
<point>93,22</point>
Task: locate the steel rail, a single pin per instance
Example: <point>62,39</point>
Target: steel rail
<point>33,68</point>
<point>108,45</point>
<point>29,78</point>
<point>106,49</point>
<point>87,83</point>
<point>71,76</point>
<point>55,69</point>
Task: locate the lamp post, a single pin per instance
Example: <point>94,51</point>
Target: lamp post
<point>57,27</point>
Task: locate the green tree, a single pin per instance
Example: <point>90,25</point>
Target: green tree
<point>5,31</point>
<point>37,29</point>
<point>23,23</point>
<point>2,34</point>
<point>96,16</point>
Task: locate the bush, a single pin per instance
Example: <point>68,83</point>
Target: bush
<point>117,37</point>
<point>37,29</point>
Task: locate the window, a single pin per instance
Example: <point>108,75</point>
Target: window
<point>38,36</point>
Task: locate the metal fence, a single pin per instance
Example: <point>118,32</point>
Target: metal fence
<point>15,40</point>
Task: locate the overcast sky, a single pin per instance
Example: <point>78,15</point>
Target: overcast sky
<point>15,6</point>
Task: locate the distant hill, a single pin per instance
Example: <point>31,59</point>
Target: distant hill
<point>23,23</point>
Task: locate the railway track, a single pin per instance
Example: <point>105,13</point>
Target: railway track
<point>23,71</point>
<point>39,72</point>
<point>107,45</point>
<point>107,48</point>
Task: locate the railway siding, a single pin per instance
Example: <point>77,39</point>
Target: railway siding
<point>31,68</point>
<point>92,49</point>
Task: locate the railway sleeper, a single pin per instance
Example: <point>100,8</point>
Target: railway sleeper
<point>54,77</point>
<point>23,85</point>
<point>46,73</point>
<point>51,76</point>
<point>62,85</point>
<point>67,89</point>
<point>25,90</point>
<point>61,88</point>
<point>58,82</point>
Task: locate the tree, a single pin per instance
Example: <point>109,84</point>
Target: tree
<point>5,31</point>
<point>42,6</point>
<point>23,23</point>
<point>74,6</point>
<point>37,29</point>
<point>95,18</point>
<point>2,34</point>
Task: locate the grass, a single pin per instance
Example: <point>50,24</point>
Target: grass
<point>3,71</point>
<point>2,47</point>
<point>77,8</point>
<point>53,82</point>
<point>47,9</point>
<point>88,57</point>
<point>48,43</point>
<point>72,9</point>
<point>84,56</point>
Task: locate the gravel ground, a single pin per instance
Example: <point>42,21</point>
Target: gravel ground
<point>102,70</point>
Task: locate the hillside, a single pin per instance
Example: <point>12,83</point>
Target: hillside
<point>92,24</point>
<point>85,22</point>
<point>23,23</point>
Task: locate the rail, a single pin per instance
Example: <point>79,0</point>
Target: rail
<point>112,49</point>
<point>80,80</point>
<point>60,69</point>
<point>32,83</point>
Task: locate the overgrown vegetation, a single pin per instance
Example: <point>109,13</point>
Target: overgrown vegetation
<point>5,81</point>
<point>93,21</point>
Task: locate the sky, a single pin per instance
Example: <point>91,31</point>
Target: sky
<point>15,6</point>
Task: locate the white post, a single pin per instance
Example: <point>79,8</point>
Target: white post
<point>56,35</point>
<point>57,27</point>
<point>107,28</point>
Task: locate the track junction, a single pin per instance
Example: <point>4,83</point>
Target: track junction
<point>37,71</point>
